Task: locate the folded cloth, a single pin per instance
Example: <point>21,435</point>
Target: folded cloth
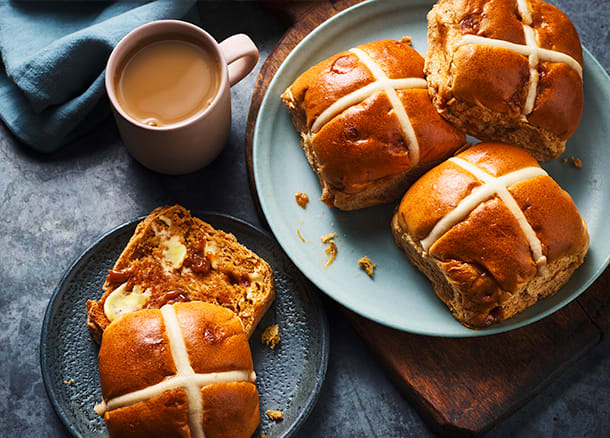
<point>54,55</point>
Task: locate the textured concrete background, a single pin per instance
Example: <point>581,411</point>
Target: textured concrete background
<point>55,206</point>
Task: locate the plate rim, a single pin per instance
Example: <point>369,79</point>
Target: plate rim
<point>266,103</point>
<point>58,293</point>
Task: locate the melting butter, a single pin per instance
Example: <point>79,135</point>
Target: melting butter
<point>119,302</point>
<point>174,253</point>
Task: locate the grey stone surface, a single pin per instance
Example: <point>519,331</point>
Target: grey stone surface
<point>54,206</point>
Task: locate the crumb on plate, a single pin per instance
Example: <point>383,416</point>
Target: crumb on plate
<point>302,199</point>
<point>366,264</point>
<point>300,237</point>
<point>275,415</point>
<point>576,162</point>
<point>328,237</point>
<point>271,336</point>
<point>332,250</point>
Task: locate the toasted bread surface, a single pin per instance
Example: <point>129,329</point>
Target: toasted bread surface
<point>174,257</point>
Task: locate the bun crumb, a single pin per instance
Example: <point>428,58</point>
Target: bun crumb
<point>576,162</point>
<point>328,237</point>
<point>275,415</point>
<point>332,251</point>
<point>271,336</point>
<point>366,264</point>
<point>302,199</point>
<point>406,40</point>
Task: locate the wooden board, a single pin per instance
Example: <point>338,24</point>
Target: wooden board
<point>460,386</point>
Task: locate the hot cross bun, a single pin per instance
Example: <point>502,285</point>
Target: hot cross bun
<point>492,231</point>
<point>506,70</point>
<point>367,125</point>
<point>182,371</point>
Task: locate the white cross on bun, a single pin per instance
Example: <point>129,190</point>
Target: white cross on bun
<point>506,70</point>
<point>182,371</point>
<point>367,125</point>
<point>492,231</point>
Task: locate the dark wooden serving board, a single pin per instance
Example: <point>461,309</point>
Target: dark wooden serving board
<point>460,386</point>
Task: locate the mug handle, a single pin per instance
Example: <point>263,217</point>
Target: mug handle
<point>241,56</point>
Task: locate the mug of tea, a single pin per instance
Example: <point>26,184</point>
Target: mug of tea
<point>169,84</point>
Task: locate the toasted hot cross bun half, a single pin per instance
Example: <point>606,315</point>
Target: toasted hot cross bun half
<point>492,231</point>
<point>175,257</point>
<point>182,371</point>
<point>506,70</point>
<point>367,125</point>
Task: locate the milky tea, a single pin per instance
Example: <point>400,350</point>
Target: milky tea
<point>167,80</point>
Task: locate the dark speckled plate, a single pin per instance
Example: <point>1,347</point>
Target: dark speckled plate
<point>289,378</point>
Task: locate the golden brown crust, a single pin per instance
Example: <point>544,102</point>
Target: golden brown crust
<point>482,90</point>
<point>483,267</point>
<point>236,399</point>
<point>213,339</point>
<point>135,354</point>
<point>228,273</point>
<point>139,349</point>
<point>161,417</point>
<point>360,155</point>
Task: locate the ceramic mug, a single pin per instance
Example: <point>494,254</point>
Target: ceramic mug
<point>192,143</point>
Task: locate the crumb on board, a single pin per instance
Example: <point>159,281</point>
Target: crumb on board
<point>300,237</point>
<point>366,264</point>
<point>275,415</point>
<point>271,336</point>
<point>69,382</point>
<point>564,160</point>
<point>576,162</point>
<point>332,250</point>
<point>328,237</point>
<point>302,199</point>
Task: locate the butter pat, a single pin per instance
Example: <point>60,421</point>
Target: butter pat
<point>174,253</point>
<point>119,302</point>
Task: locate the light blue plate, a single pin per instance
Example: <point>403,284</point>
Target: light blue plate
<point>400,296</point>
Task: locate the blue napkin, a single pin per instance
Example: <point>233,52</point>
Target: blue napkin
<point>53,59</point>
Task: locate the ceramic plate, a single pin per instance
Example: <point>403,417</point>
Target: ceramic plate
<point>400,296</point>
<point>288,378</point>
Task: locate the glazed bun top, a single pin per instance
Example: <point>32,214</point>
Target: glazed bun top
<point>193,356</point>
<point>369,116</point>
<point>494,207</point>
<point>522,58</point>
